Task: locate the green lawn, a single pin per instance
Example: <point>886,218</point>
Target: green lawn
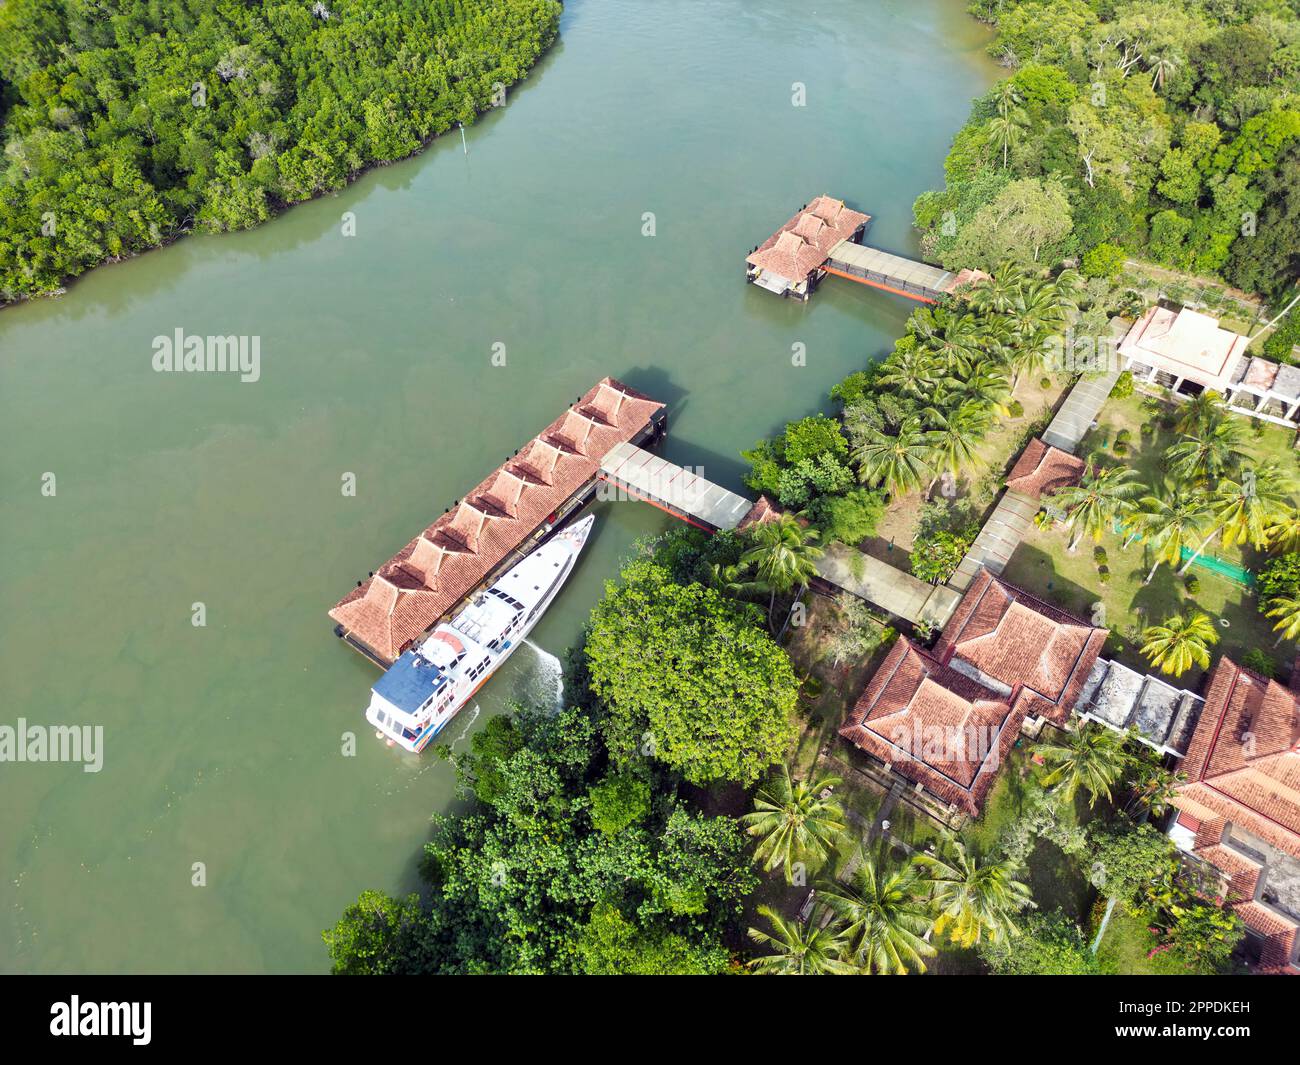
<point>1043,565</point>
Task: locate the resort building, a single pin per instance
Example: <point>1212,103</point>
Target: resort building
<point>790,261</point>
<point>825,237</point>
<point>1239,811</point>
<point>495,524</point>
<point>945,719</point>
<point>1187,352</point>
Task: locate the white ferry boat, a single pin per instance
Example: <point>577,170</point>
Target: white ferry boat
<point>427,686</point>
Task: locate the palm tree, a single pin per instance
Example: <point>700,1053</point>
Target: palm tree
<point>1209,451</point>
<point>975,899</point>
<point>783,555</point>
<point>1287,609</point>
<point>1011,120</point>
<point>1161,67</point>
<point>796,824</point>
<point>1246,509</point>
<point>899,462</point>
<point>955,437</point>
<point>1199,413</point>
<point>986,385</point>
<point>1179,643</point>
<point>911,371</point>
<point>1283,531</point>
<point>1098,501</point>
<point>957,339</point>
<point>1152,788</point>
<point>1092,758</point>
<point>883,916</point>
<point>798,949</point>
<point>1169,522</point>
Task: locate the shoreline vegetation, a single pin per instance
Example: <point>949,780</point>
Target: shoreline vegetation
<point>674,818</point>
<point>126,130</point>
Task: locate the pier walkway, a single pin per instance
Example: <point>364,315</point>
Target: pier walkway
<point>676,489</point>
<point>639,474</point>
<point>893,273</point>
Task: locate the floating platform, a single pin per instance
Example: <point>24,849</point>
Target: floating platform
<point>825,237</point>
<point>496,524</point>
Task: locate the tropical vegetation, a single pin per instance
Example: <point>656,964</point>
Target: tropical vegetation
<point>127,124</point>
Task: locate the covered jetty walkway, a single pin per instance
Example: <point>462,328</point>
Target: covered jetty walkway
<point>635,473</point>
<point>893,273</point>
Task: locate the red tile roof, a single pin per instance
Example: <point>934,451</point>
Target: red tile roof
<point>803,243</point>
<point>451,557</point>
<point>761,512</point>
<point>1243,763</point>
<point>935,726</point>
<point>1039,653</point>
<point>1043,469</point>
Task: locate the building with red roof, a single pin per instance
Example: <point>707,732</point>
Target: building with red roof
<point>934,726</point>
<point>790,261</point>
<point>945,719</point>
<point>1043,469</point>
<point>426,579</point>
<point>1239,810</point>
<point>1038,655</point>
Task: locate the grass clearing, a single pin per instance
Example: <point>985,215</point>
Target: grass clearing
<point>1044,566</point>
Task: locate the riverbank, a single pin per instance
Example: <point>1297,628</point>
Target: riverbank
<point>238,147</point>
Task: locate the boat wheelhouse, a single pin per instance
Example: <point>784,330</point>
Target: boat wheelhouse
<point>430,683</point>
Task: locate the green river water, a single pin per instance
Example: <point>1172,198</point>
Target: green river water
<point>222,743</point>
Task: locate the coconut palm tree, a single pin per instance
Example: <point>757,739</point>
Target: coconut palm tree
<point>883,916</point>
<point>1180,643</point>
<point>996,294</point>
<point>1101,498</point>
<point>1209,451</point>
<point>1283,531</point>
<point>1287,609</point>
<point>1161,67</point>
<point>913,371</point>
<point>1246,508</point>
<point>955,437</point>
<point>975,899</point>
<point>1152,788</point>
<point>986,385</point>
<point>1176,518</point>
<point>1092,758</point>
<point>798,949</point>
<point>1203,411</point>
<point>783,554</point>
<point>794,822</point>
<point>957,340</point>
<point>899,462</point>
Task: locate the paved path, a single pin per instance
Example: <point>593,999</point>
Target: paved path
<point>997,542</point>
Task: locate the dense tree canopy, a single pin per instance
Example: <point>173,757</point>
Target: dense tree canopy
<point>689,678</point>
<point>1167,129</point>
<point>127,122</point>
<point>536,879</point>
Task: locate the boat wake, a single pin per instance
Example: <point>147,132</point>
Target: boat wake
<point>475,711</point>
<point>548,682</point>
